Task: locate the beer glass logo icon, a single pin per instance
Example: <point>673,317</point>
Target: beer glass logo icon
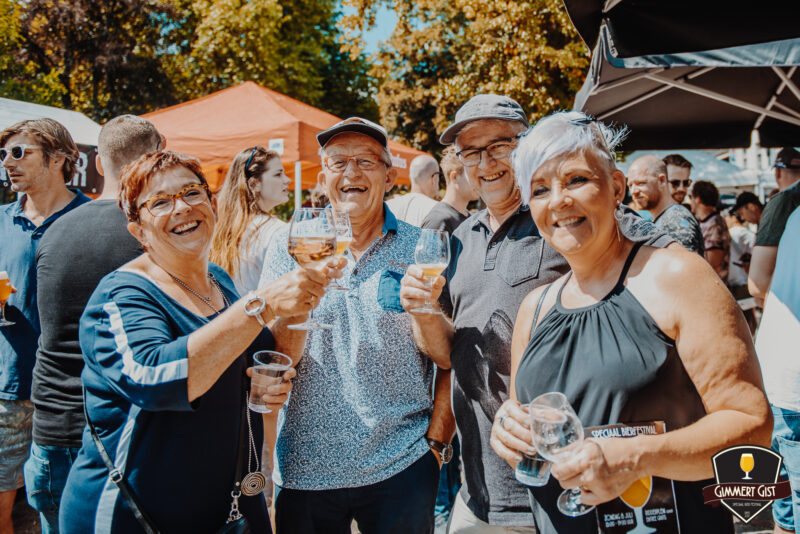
<point>747,463</point>
<point>636,496</point>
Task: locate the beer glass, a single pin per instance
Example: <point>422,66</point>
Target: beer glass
<point>636,496</point>
<point>268,368</point>
<point>312,239</point>
<point>558,436</point>
<point>344,236</point>
<point>746,463</point>
<point>432,254</point>
<point>5,292</point>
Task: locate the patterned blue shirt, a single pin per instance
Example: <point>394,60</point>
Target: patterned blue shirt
<point>19,238</point>
<point>361,402</point>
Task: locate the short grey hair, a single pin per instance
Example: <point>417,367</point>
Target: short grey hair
<point>561,133</point>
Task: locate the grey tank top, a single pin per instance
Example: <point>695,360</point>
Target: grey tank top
<point>615,365</point>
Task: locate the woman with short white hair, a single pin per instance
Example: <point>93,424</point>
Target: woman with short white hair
<point>632,333</point>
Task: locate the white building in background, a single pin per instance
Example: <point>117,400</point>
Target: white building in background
<point>756,161</point>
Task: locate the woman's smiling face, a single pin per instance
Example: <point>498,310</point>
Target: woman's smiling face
<point>186,230</point>
<point>572,202</point>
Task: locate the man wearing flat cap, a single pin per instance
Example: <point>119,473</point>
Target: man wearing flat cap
<point>773,221</point>
<point>497,257</point>
<point>356,439</point>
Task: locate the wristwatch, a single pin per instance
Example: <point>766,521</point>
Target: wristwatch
<point>254,307</point>
<point>445,450</point>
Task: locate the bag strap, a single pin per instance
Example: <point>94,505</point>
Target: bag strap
<point>118,478</point>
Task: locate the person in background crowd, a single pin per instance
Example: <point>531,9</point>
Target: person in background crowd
<point>167,341</point>
<point>776,346</point>
<point>716,237</point>
<point>357,440</point>
<point>255,184</point>
<point>497,256</point>
<point>749,208</point>
<point>452,210</point>
<point>625,339</point>
<point>446,216</point>
<point>647,180</point>
<point>76,252</point>
<point>678,170</point>
<point>39,157</point>
<point>742,240</point>
<point>413,207</point>
<point>773,221</point>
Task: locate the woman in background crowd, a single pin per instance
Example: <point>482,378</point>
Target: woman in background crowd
<point>255,184</point>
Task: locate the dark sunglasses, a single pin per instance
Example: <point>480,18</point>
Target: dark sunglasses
<point>16,152</point>
<point>676,183</point>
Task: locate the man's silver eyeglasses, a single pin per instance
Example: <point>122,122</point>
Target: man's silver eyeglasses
<point>365,162</point>
<point>16,152</point>
<point>499,149</point>
<point>164,204</point>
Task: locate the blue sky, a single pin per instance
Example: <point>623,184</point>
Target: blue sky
<point>384,24</point>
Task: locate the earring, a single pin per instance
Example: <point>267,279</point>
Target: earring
<point>618,214</point>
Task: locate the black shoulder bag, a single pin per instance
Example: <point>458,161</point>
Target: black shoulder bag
<point>236,523</point>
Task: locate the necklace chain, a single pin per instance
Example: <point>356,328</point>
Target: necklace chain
<point>205,300</point>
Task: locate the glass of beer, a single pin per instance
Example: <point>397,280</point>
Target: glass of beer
<point>5,292</point>
<point>312,239</point>
<point>432,254</point>
<point>636,496</point>
<point>558,436</point>
<point>344,236</point>
<point>268,368</point>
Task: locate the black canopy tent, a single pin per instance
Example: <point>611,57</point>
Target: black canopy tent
<point>646,27</point>
<point>709,99</point>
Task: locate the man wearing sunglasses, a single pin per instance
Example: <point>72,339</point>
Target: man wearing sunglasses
<point>678,169</point>
<point>39,159</point>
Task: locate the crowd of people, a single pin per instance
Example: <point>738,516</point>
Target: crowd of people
<point>125,374</point>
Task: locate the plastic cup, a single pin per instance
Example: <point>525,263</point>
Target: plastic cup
<point>268,368</point>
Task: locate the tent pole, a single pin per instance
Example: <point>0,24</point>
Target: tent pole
<point>298,184</point>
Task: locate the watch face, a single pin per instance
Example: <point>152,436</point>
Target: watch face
<point>447,453</point>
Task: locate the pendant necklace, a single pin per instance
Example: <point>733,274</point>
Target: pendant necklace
<point>254,481</point>
<point>205,300</point>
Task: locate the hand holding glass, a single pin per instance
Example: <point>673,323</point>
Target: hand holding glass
<point>558,436</point>
<point>432,254</point>
<point>312,239</point>
<point>5,292</point>
<point>268,366</point>
<point>532,470</point>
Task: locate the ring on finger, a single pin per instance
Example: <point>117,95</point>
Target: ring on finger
<point>501,420</point>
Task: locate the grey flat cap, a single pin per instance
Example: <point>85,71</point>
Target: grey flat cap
<point>484,107</point>
<point>354,124</point>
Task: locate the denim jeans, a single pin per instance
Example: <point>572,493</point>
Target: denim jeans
<point>45,476</point>
<point>786,442</point>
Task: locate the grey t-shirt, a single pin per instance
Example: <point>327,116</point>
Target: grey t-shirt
<point>443,217</point>
<point>488,277</point>
<point>680,224</point>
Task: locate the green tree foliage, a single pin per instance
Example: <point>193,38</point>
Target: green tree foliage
<point>442,53</point>
<point>291,46</point>
<point>102,58</point>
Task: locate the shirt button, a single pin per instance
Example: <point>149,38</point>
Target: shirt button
<point>355,272</point>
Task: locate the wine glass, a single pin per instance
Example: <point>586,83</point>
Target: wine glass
<point>636,496</point>
<point>312,239</point>
<point>558,436</point>
<point>344,236</point>
<point>5,292</point>
<point>432,254</point>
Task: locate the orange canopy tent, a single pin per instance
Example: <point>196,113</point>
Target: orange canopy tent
<point>214,128</point>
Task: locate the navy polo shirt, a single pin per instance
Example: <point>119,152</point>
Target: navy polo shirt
<point>18,342</point>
